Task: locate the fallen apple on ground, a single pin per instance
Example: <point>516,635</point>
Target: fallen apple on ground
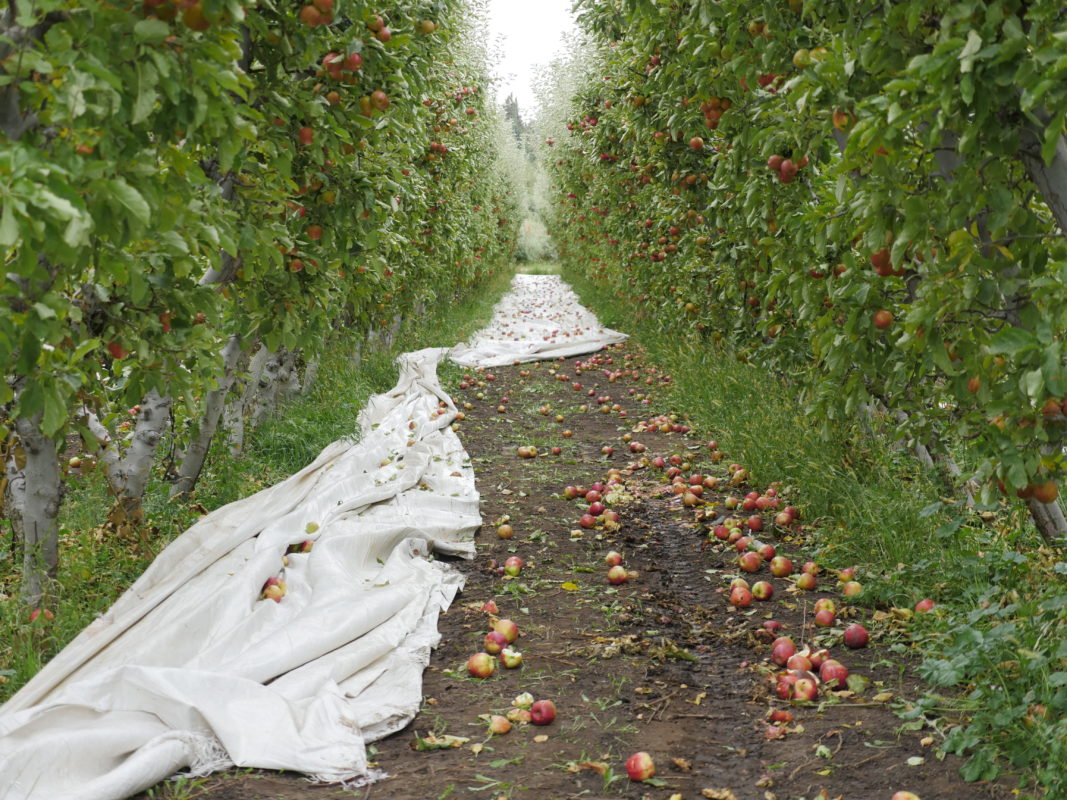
<point>481,665</point>
<point>542,712</point>
<point>640,766</point>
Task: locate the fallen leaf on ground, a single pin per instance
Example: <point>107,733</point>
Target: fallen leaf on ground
<point>718,794</point>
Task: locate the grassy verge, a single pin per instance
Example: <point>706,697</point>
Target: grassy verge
<point>994,644</point>
<point>97,565</point>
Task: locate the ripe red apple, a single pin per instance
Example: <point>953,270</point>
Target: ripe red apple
<point>506,627</point>
<point>587,521</point>
<point>882,319</point>
<point>924,605</point>
<point>772,625</point>
<point>481,665</point>
<point>805,581</point>
<point>810,567</point>
<point>799,661</point>
<point>305,135</point>
<point>782,652</point>
<point>833,673</point>
<point>905,796</point>
<point>494,642</point>
<point>640,766</point>
<point>762,590</point>
<point>542,712</point>
<point>824,618</point>
<point>818,657</point>
<point>613,559</point>
<point>499,725</point>
<point>570,492</point>
<point>805,689</point>
<point>490,607</point>
<point>513,566</point>
<point>825,603</point>
<point>781,567</point>
<point>782,520</point>
<point>750,561</point>
<point>852,588</point>
<point>767,551</point>
<point>721,532</point>
<point>855,636</point>
<point>755,522</point>
<point>617,575</point>
<point>740,597</point>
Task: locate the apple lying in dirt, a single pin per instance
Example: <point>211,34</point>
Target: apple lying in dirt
<point>490,607</point>
<point>542,712</point>
<point>570,492</point>
<point>810,567</point>
<point>827,603</point>
<point>494,642</point>
<point>740,597</point>
<point>772,625</point>
<point>481,665</point>
<point>806,581</point>
<point>750,561</point>
<point>782,652</point>
<point>766,551</point>
<point>587,521</point>
<point>824,618</point>
<point>506,627</point>
<point>613,559</point>
<point>833,673</point>
<point>519,715</point>
<point>798,661</point>
<point>505,532</point>
<point>855,636</point>
<point>762,590</point>
<point>805,689</point>
<point>905,796</point>
<point>781,567</point>
<point>510,658</point>
<point>617,575</point>
<point>640,766</point>
<point>513,566</point>
<point>499,725</point>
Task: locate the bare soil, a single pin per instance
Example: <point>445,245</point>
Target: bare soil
<point>662,663</point>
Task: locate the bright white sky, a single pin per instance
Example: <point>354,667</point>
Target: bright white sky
<point>529,33</point>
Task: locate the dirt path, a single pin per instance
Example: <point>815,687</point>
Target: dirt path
<point>662,663</point>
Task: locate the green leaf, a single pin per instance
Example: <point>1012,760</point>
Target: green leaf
<point>130,198</point>
<point>9,229</point>
<point>55,411</point>
<point>1032,384</point>
<point>43,311</point>
<point>1011,341</point>
<point>151,31</point>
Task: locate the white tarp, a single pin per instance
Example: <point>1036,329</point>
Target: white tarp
<point>539,318</point>
<point>192,669</point>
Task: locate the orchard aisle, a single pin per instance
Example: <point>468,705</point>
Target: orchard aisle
<point>195,666</point>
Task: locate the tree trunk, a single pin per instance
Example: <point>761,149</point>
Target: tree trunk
<point>1049,519</point>
<point>1051,178</point>
<point>214,402</point>
<point>128,473</point>
<point>234,415</point>
<point>265,390</point>
<point>311,374</point>
<point>34,493</point>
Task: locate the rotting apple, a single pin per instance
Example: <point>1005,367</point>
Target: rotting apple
<point>856,636</point>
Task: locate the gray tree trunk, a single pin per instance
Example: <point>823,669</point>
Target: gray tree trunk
<point>128,472</point>
<point>33,496</point>
<point>214,402</point>
<point>1050,521</point>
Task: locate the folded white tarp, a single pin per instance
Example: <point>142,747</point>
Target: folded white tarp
<point>193,668</point>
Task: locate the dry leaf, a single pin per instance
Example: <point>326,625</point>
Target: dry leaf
<point>569,586</point>
<point>682,764</point>
<point>882,697</point>
<point>599,767</point>
<point>699,697</point>
<point>476,748</point>
<point>718,794</point>
<point>541,737</point>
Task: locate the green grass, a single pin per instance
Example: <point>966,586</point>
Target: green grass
<point>540,268</point>
<point>97,564</point>
<point>993,650</point>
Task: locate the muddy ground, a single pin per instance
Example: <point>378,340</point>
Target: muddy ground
<point>662,663</point>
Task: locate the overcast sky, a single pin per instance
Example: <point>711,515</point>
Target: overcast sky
<point>529,32</point>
